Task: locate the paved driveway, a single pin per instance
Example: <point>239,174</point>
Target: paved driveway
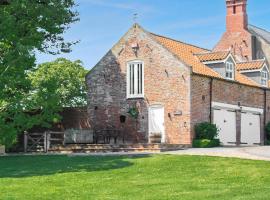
<point>254,153</point>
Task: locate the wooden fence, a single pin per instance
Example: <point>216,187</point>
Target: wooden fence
<point>42,142</point>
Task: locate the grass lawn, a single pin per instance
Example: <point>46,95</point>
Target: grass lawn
<point>143,177</point>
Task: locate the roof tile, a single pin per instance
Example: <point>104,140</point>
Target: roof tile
<point>253,65</point>
<point>213,56</point>
<point>187,53</point>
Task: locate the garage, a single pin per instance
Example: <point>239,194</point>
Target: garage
<point>225,117</point>
<point>226,122</point>
<point>250,129</point>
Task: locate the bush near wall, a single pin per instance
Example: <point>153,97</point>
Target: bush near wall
<point>206,134</point>
<point>267,130</point>
<point>205,143</point>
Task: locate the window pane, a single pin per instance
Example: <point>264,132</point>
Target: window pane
<point>138,78</point>
<point>132,79</point>
<point>141,79</point>
<point>135,80</point>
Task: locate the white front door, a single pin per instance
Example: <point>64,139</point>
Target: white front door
<point>156,121</point>
<point>226,122</point>
<point>250,128</point>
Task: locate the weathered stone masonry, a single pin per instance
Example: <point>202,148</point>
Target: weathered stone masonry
<point>167,82</point>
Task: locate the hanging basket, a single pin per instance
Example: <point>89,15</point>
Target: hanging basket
<point>134,113</point>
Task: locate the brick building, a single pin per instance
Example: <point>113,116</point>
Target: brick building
<point>172,85</point>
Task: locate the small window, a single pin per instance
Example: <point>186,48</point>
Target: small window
<point>229,70</point>
<point>135,80</point>
<point>264,77</point>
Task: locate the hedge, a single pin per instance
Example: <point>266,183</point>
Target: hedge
<point>205,143</point>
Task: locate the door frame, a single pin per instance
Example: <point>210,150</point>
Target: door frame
<point>161,106</point>
<point>239,109</point>
<point>260,130</point>
<point>234,135</point>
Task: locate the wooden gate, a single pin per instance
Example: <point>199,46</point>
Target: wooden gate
<point>42,142</point>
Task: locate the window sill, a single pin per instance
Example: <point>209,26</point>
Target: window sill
<point>135,97</point>
<point>230,79</point>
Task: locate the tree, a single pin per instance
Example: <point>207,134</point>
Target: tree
<point>27,26</point>
<point>56,85</point>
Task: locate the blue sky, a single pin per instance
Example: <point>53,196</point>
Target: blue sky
<point>103,22</point>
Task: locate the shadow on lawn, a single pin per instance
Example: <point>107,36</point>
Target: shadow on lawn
<point>28,166</point>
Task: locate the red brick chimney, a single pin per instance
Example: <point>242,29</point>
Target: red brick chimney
<point>237,18</point>
<point>237,38</point>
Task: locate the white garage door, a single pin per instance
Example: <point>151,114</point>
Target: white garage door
<point>250,129</point>
<point>226,122</point>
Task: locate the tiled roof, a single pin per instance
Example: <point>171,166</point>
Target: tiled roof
<point>259,32</point>
<point>253,65</point>
<point>186,53</point>
<point>245,80</point>
<point>213,56</point>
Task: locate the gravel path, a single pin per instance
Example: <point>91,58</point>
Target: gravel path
<point>253,153</point>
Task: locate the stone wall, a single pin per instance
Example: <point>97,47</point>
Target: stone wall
<point>166,82</point>
<point>225,92</point>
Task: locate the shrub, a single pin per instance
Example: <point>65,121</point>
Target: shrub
<point>206,130</point>
<point>267,130</point>
<point>205,143</point>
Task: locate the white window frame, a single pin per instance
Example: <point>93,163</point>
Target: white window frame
<point>264,77</point>
<point>136,94</point>
<point>229,68</point>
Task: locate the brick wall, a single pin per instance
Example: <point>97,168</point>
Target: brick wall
<point>167,82</point>
<point>76,118</point>
<point>236,19</point>
<point>225,92</point>
<point>236,39</point>
<point>200,100</point>
<point>239,43</point>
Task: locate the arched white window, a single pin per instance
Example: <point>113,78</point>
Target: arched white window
<point>135,79</point>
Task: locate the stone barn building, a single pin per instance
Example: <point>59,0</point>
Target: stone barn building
<point>149,84</point>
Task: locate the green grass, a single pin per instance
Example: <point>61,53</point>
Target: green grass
<point>158,177</point>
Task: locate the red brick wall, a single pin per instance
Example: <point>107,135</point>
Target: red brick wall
<point>167,82</point>
<point>236,39</point>
<point>224,92</point>
<point>200,100</point>
<point>239,43</point>
<point>237,21</point>
<point>76,118</point>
